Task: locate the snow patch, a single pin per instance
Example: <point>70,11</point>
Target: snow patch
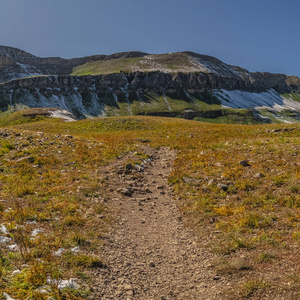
<point>268,99</point>
<point>62,114</point>
<point>166,100</point>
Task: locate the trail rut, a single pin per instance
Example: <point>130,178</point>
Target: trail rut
<point>149,253</point>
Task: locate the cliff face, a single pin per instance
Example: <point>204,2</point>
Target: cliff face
<point>185,81</point>
<point>88,95</point>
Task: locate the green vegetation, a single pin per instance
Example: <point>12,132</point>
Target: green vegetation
<point>107,66</point>
<point>11,117</point>
<point>50,179</point>
<point>175,62</point>
<point>294,96</point>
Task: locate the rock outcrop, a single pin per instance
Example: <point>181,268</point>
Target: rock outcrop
<point>87,95</point>
<point>91,95</point>
<point>16,63</point>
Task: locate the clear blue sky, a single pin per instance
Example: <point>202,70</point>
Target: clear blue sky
<point>259,35</point>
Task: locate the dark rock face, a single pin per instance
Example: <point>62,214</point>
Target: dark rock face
<point>87,95</point>
<point>157,81</point>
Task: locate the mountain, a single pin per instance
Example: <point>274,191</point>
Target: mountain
<point>182,84</point>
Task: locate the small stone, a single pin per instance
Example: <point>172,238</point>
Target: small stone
<point>45,289</point>
<point>3,229</point>
<point>212,181</point>
<point>75,249</point>
<point>13,248</point>
<point>139,168</point>
<point>7,297</point>
<point>152,265</point>
<point>144,140</point>
<point>129,166</point>
<point>258,175</point>
<point>59,252</point>
<point>125,192</point>
<point>244,163</point>
<point>222,186</point>
<point>128,289</point>
<point>30,159</point>
<point>35,232</point>
<point>71,283</point>
<point>4,239</point>
<point>15,272</point>
<point>187,179</point>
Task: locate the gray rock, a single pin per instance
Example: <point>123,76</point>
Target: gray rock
<point>125,191</point>
<point>258,175</point>
<point>212,181</point>
<point>29,159</point>
<point>244,163</point>
<point>7,297</point>
<point>222,186</point>
<point>129,166</point>
<point>4,239</point>
<point>15,272</point>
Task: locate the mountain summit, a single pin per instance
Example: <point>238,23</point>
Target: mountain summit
<point>173,84</point>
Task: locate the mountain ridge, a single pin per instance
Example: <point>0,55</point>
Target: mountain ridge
<point>129,83</point>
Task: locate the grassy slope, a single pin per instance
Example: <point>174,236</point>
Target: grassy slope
<point>107,66</point>
<point>294,96</point>
<point>157,104</point>
<point>172,63</point>
<point>58,183</point>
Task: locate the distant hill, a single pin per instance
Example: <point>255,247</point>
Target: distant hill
<point>183,84</point>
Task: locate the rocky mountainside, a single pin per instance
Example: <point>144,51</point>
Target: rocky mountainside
<point>175,84</point>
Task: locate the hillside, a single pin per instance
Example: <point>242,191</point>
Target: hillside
<point>145,207</point>
<point>183,84</point>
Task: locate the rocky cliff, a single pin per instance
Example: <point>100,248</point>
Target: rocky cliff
<point>90,95</point>
<point>184,82</point>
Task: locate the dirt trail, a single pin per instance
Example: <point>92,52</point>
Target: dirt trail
<point>149,253</point>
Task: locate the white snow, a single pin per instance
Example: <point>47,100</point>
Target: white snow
<point>62,114</point>
<point>167,102</point>
<point>28,71</point>
<point>268,99</point>
<point>115,97</point>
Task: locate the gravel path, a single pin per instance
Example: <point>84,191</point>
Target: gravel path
<point>149,253</point>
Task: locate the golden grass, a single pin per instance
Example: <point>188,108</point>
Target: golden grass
<point>49,180</point>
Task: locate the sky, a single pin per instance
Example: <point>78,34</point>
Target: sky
<point>259,35</point>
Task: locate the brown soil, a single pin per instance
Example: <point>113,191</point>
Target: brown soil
<point>149,253</point>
